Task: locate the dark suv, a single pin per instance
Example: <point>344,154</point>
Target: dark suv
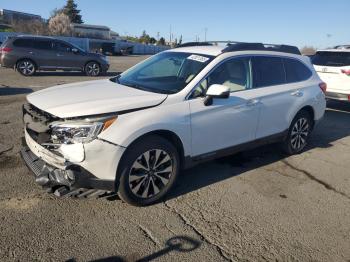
<point>27,54</point>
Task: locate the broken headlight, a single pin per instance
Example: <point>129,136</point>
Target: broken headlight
<point>72,133</point>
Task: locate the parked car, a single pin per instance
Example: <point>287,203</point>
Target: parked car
<point>333,66</point>
<point>28,54</point>
<point>133,133</point>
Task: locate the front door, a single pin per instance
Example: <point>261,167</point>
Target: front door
<point>227,122</point>
<point>66,58</point>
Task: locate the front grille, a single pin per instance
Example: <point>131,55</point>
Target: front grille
<point>37,123</point>
<point>38,115</point>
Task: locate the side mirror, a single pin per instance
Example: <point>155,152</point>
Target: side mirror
<point>216,91</point>
<point>75,50</point>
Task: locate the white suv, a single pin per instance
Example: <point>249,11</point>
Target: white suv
<point>132,134</point>
<point>333,67</point>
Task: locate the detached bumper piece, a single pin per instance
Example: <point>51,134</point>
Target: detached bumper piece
<point>73,182</point>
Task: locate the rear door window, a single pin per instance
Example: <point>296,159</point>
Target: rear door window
<point>43,44</point>
<point>23,42</point>
<point>268,71</point>
<point>327,58</point>
<point>296,71</point>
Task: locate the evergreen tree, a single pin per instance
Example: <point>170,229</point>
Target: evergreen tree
<point>70,9</point>
<point>161,41</point>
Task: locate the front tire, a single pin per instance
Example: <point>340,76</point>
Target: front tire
<point>92,69</point>
<point>298,133</point>
<point>148,171</point>
<point>26,67</point>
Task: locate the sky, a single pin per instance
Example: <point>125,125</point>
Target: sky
<point>321,23</point>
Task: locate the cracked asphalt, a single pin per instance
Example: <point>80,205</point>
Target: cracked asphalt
<point>254,206</point>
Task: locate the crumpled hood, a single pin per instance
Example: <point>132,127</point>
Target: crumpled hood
<point>92,98</point>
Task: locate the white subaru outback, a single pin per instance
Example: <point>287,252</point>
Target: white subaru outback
<point>132,134</point>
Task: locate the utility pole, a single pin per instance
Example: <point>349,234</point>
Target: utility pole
<point>205,34</point>
<point>170,35</point>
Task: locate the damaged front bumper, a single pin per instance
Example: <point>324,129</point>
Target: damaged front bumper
<point>64,178</point>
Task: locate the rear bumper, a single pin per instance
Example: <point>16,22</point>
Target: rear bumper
<point>338,96</point>
<point>7,61</point>
<point>72,181</point>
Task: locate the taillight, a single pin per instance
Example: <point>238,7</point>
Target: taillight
<point>5,50</point>
<point>346,71</point>
<point>323,87</point>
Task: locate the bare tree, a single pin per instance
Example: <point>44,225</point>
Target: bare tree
<point>60,25</point>
<point>35,27</point>
<point>308,50</point>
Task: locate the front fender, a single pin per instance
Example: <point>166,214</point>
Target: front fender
<point>173,117</point>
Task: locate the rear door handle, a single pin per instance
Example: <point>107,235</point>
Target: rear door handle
<point>253,102</point>
<point>297,93</point>
<point>59,55</point>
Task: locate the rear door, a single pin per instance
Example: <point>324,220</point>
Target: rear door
<point>43,53</point>
<point>333,67</point>
<point>279,93</point>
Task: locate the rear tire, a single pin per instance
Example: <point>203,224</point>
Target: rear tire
<point>92,69</point>
<point>148,171</point>
<point>298,133</point>
<point>26,67</point>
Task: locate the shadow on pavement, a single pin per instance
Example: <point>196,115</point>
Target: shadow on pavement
<point>334,126</point>
<point>182,244</point>
<point>10,91</point>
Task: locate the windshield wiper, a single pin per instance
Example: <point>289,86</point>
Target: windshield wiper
<point>135,86</point>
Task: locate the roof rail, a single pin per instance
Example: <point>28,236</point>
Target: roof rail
<point>232,46</point>
<point>342,47</point>
<point>238,46</point>
<point>188,44</point>
<point>206,43</point>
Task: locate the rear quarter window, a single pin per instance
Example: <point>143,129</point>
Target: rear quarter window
<point>296,71</point>
<point>23,42</point>
<point>336,59</point>
<point>268,71</point>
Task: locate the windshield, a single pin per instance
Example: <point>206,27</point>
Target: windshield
<point>166,73</point>
<point>331,59</point>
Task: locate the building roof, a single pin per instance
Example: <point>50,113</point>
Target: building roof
<point>2,11</point>
<point>87,26</point>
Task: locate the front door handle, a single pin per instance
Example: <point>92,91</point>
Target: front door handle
<point>253,102</point>
<point>59,55</point>
<point>297,93</point>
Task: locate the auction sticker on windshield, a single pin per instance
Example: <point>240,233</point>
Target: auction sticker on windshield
<point>198,58</point>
